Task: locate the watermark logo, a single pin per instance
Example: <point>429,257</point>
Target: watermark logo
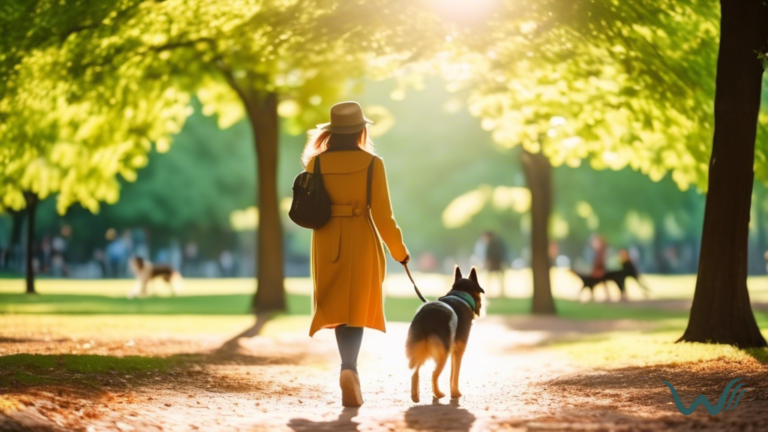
<point>702,400</point>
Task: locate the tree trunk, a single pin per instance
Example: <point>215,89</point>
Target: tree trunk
<point>32,201</point>
<point>721,311</point>
<point>270,294</point>
<point>538,175</point>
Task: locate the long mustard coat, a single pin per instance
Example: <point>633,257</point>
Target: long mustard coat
<point>348,262</point>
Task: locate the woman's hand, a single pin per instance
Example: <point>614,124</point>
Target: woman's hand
<point>406,260</point>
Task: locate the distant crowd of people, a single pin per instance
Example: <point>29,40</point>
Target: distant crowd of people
<point>50,257</point>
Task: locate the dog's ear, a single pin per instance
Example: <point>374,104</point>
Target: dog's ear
<point>456,273</point>
<point>473,274</point>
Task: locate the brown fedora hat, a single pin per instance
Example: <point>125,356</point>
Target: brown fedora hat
<point>346,118</point>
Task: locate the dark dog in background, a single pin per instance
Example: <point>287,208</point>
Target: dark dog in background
<point>146,272</point>
<point>619,277</point>
<point>441,328</point>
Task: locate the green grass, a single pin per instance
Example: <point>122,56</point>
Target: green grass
<point>396,308</point>
<point>87,363</point>
<point>626,349</point>
<point>658,346</point>
<point>88,370</point>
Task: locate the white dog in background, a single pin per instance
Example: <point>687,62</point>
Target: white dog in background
<point>146,272</point>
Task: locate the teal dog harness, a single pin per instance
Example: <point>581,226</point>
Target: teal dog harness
<point>462,295</point>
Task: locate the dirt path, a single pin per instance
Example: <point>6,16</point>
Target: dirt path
<point>289,383</point>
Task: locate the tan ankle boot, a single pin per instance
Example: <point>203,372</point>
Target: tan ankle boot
<point>350,389</point>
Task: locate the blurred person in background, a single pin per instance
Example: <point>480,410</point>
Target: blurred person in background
<point>140,245</point>
<point>348,261</point>
<point>599,250</point>
<point>495,261</point>
<point>46,253</point>
<point>227,263</point>
<point>175,254</point>
<point>58,263</point>
<point>765,257</point>
<point>190,258</point>
<point>101,261</point>
<point>117,255</point>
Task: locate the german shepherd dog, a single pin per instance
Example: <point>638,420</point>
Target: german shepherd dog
<point>619,277</point>
<point>145,272</point>
<point>441,328</point>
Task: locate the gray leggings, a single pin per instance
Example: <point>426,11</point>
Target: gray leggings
<point>349,339</point>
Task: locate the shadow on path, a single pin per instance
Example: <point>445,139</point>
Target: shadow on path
<point>443,417</point>
<point>233,344</point>
<point>342,423</point>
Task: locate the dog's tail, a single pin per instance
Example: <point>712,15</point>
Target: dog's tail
<point>431,334</point>
<point>418,352</point>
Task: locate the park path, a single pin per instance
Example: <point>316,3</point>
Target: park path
<point>289,383</point>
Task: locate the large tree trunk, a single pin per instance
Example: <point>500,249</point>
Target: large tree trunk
<point>270,294</point>
<point>32,201</point>
<point>538,175</point>
<point>721,311</point>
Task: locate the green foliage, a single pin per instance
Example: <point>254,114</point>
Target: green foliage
<point>90,87</point>
<point>61,133</point>
<point>209,174</point>
<point>621,84</point>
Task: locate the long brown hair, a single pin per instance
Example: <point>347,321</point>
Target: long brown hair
<point>319,141</point>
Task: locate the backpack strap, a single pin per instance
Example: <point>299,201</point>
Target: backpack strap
<point>370,181</point>
<point>316,169</point>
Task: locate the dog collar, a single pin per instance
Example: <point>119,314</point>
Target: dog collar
<point>462,295</point>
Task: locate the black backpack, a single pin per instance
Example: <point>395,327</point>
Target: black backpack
<point>311,206</point>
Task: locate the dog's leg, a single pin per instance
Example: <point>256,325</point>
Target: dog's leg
<point>135,290</point>
<point>454,373</point>
<point>458,353</point>
<point>439,365</point>
<point>415,385</point>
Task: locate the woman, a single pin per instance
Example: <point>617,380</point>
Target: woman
<point>348,262</point>
<point>599,247</point>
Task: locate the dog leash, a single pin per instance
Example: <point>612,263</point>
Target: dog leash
<point>418,293</point>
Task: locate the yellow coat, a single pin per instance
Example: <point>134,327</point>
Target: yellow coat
<point>348,262</point>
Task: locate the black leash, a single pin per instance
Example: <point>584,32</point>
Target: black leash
<point>418,293</point>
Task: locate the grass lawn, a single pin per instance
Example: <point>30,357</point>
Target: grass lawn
<point>233,297</point>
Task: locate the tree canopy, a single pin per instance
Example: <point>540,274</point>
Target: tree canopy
<point>90,87</point>
<point>622,85</point>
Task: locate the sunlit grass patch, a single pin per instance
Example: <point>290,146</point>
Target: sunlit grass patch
<point>623,349</point>
<point>88,370</point>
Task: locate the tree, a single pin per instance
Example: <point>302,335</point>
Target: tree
<point>257,59</point>
<point>538,174</point>
<point>721,311</point>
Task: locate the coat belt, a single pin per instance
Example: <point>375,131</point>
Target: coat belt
<point>345,211</point>
<point>339,211</point>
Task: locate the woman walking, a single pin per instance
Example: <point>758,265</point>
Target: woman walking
<point>348,262</point>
